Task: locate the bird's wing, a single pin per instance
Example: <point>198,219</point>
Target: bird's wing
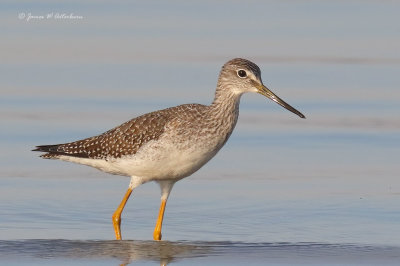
<point>120,141</point>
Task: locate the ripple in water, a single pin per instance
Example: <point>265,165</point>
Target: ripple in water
<point>165,252</point>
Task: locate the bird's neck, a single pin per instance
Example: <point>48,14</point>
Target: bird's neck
<point>225,108</point>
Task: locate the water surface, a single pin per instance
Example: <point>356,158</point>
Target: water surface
<point>193,253</point>
<point>282,191</point>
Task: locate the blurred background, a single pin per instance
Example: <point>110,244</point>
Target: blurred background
<point>73,69</point>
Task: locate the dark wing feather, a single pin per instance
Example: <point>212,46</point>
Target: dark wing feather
<point>125,139</point>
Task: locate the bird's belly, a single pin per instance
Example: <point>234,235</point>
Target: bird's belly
<point>157,160</point>
<point>166,162</point>
<point>168,158</point>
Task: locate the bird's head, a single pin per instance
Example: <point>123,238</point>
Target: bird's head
<point>240,76</point>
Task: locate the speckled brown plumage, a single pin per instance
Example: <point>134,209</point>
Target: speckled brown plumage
<point>168,145</point>
<point>123,140</point>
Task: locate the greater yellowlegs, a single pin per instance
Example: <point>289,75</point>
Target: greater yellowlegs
<point>168,145</point>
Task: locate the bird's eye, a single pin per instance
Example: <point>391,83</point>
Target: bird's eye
<point>241,73</point>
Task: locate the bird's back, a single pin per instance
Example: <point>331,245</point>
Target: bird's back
<point>123,140</point>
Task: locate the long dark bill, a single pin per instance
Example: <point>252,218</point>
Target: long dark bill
<point>269,94</point>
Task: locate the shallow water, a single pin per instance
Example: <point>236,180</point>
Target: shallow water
<point>101,252</point>
<point>282,191</point>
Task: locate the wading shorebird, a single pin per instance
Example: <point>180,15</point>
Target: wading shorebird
<point>168,145</point>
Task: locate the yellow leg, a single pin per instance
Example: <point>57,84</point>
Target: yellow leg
<point>157,229</point>
<point>116,218</point>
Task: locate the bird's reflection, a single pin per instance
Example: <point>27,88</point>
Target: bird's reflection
<point>165,252</point>
<point>125,251</point>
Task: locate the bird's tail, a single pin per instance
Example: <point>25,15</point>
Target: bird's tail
<point>52,151</point>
